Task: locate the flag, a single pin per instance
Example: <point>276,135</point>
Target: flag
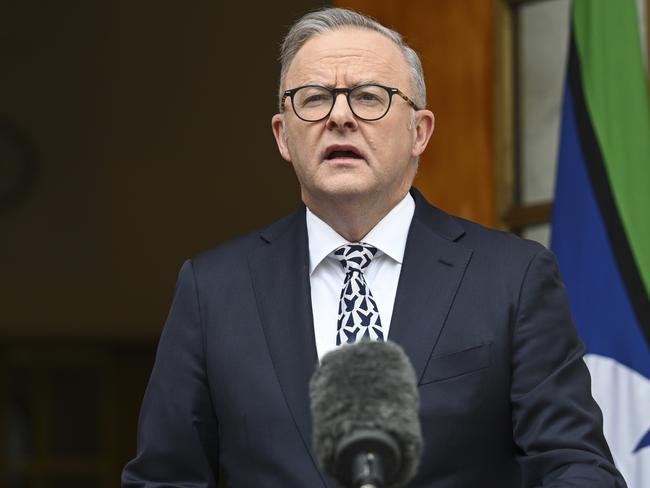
<point>601,220</point>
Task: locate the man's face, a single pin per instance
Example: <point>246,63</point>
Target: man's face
<point>343,157</point>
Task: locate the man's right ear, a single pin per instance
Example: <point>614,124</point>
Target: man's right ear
<point>280,134</point>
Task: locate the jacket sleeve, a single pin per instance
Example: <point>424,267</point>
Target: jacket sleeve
<point>556,422</point>
<point>177,428</point>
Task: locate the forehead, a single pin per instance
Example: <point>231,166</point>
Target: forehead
<point>348,56</point>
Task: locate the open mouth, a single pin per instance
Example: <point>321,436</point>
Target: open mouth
<point>342,153</point>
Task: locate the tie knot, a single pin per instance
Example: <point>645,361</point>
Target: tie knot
<point>355,257</point>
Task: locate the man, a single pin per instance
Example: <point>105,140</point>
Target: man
<point>482,315</point>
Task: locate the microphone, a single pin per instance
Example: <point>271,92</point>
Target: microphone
<point>364,405</point>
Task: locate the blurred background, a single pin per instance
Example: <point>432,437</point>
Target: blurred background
<point>135,134</point>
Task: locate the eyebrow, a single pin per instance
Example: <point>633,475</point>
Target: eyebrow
<point>327,85</point>
<point>369,82</point>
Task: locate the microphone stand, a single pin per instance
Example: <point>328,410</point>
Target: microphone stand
<point>367,458</point>
<point>367,470</point>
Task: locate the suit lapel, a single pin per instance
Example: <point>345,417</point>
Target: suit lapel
<point>280,275</point>
<point>432,270</point>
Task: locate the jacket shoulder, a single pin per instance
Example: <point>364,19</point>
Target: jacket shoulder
<point>482,240</point>
<point>497,241</point>
<point>235,252</point>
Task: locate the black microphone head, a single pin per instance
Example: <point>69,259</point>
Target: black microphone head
<point>367,386</point>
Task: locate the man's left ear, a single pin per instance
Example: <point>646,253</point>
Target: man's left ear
<point>424,124</point>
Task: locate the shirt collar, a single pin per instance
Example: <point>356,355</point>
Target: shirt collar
<point>389,235</point>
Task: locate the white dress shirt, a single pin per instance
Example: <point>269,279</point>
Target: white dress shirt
<point>382,274</point>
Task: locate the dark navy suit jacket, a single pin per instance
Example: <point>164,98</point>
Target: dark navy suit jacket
<point>483,316</point>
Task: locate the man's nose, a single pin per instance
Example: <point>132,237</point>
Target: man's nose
<point>341,115</point>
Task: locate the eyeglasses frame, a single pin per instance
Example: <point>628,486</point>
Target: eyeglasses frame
<point>335,93</point>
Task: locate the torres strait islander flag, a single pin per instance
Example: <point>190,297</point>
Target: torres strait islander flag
<point>601,220</point>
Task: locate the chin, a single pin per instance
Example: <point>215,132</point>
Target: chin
<point>347,189</point>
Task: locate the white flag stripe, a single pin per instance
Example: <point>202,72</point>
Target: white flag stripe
<point>624,397</point>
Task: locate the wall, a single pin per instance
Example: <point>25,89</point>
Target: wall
<point>151,127</point>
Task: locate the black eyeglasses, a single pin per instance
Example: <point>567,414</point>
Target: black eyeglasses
<point>313,103</point>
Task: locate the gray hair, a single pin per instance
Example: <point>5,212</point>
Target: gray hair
<point>331,19</point>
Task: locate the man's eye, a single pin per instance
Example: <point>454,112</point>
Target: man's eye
<point>314,99</point>
<point>367,97</point>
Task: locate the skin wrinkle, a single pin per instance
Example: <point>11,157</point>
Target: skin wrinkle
<point>322,70</point>
<point>352,195</point>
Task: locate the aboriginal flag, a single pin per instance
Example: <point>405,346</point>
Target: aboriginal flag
<point>601,219</point>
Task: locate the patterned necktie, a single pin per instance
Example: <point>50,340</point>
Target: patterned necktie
<point>358,313</point>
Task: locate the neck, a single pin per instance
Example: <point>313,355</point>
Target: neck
<point>352,218</point>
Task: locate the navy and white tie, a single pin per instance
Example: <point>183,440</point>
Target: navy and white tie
<point>358,317</point>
